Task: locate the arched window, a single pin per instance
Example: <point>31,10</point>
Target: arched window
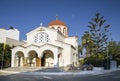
<point>52,27</point>
<point>41,37</point>
<point>64,30</point>
<point>59,28</point>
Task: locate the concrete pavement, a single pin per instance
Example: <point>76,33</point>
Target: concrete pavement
<point>94,72</point>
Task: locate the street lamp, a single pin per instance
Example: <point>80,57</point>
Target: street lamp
<point>107,55</point>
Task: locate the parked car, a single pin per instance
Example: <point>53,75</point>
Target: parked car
<point>71,67</point>
<point>87,67</point>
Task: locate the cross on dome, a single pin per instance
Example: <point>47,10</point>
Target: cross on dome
<point>59,25</point>
<point>56,17</point>
<point>57,22</point>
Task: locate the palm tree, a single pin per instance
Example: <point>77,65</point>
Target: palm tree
<point>87,43</point>
<point>79,49</point>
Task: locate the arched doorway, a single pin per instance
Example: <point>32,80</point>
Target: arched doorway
<point>19,59</point>
<point>47,59</point>
<point>33,59</point>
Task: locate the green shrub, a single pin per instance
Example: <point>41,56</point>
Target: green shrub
<point>97,61</point>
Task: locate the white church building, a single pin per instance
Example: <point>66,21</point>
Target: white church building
<point>49,46</point>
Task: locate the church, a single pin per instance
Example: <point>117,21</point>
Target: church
<point>49,46</point>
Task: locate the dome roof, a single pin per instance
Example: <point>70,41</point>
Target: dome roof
<point>56,22</point>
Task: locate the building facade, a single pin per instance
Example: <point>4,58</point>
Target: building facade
<point>47,47</point>
<point>10,36</point>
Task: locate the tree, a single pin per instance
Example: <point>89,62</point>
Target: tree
<point>87,43</point>
<point>7,55</point>
<point>79,49</point>
<point>99,33</point>
<point>96,41</point>
<point>114,51</point>
<point>11,27</point>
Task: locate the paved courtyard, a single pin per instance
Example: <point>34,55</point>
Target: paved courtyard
<point>108,76</point>
<point>53,71</point>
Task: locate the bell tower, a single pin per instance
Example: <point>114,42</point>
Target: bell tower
<point>59,25</point>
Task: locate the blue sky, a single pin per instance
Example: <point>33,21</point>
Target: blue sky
<point>26,15</point>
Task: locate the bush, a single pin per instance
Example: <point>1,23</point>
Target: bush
<point>97,61</point>
<point>81,62</point>
<point>118,61</point>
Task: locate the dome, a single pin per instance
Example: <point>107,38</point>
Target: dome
<point>56,22</point>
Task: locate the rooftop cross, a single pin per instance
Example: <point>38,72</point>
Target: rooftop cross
<point>41,24</point>
<point>56,17</point>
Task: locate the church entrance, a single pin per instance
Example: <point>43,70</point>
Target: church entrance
<point>19,59</point>
<point>47,59</point>
<point>33,59</point>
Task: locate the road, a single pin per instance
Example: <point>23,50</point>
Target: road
<point>113,76</point>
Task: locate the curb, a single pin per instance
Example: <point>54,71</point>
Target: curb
<point>9,72</point>
<point>61,73</point>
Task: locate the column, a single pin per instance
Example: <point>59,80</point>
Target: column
<point>55,59</point>
<point>21,62</point>
<point>12,60</point>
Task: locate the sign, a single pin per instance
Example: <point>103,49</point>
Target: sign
<point>113,64</point>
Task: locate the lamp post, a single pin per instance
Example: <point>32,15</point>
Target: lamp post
<point>107,55</point>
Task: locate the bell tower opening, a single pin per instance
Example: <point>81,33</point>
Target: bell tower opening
<point>59,25</point>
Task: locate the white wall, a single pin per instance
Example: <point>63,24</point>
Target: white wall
<point>13,42</point>
<point>66,54</point>
<point>60,37</point>
<point>3,33</point>
<point>2,40</point>
<point>11,33</point>
<point>72,40</point>
<point>51,32</point>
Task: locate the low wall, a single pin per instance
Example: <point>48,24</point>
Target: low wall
<point>98,68</point>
